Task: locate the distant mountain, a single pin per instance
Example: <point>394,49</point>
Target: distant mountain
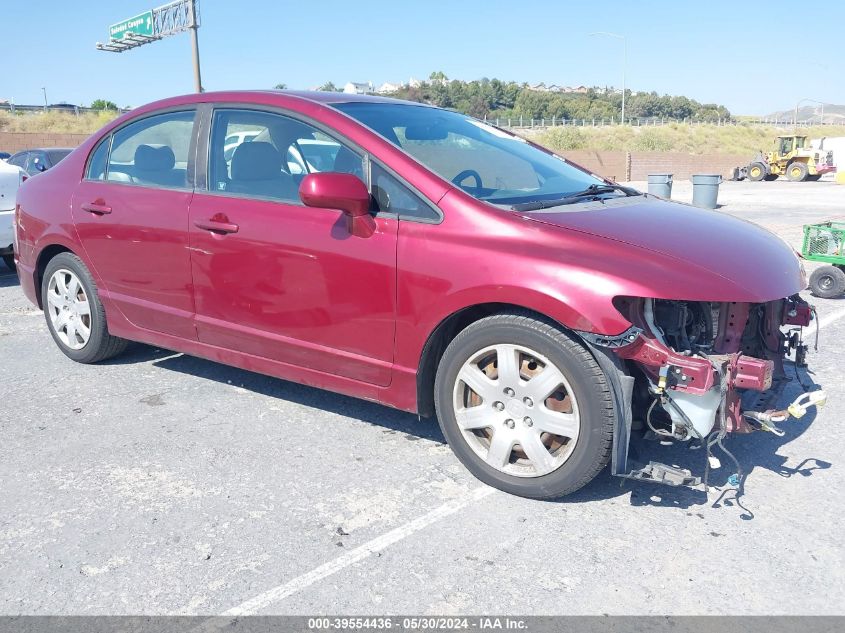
<point>812,113</point>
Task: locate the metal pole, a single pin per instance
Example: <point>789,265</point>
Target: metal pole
<point>44,90</point>
<point>195,47</point>
<point>624,72</point>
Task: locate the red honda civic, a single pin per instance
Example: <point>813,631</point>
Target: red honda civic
<point>422,259</point>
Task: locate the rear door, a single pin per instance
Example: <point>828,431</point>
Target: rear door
<point>279,280</point>
<point>131,214</point>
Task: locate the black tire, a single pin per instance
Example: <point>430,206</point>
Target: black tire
<point>9,260</point>
<point>771,177</point>
<point>589,386</point>
<point>757,172</point>
<point>100,345</point>
<point>827,282</point>
<point>797,172</point>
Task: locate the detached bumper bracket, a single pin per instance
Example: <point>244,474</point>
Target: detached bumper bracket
<point>664,474</point>
<point>612,342</point>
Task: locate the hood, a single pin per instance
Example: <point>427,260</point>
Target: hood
<point>741,252</point>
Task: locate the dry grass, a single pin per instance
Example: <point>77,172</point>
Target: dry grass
<point>55,122</point>
<point>676,137</point>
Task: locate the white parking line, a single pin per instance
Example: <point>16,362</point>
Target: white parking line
<point>377,544</point>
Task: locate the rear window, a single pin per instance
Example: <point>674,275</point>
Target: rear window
<point>152,151</point>
<point>56,155</point>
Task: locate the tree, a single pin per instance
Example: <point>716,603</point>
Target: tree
<point>281,86</point>
<point>494,99</point>
<point>103,104</point>
<point>329,87</point>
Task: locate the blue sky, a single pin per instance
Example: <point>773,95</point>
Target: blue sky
<point>712,51</point>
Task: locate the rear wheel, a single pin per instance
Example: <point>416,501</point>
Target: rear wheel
<point>827,282</point>
<point>796,172</point>
<point>756,172</point>
<point>75,316</point>
<point>524,406</point>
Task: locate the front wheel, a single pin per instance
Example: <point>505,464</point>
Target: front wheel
<point>797,172</point>
<point>524,406</point>
<point>756,172</point>
<point>75,316</point>
<point>827,282</point>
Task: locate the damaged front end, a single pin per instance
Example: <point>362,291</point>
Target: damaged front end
<point>694,371</point>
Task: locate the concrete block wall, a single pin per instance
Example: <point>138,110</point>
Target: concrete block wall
<point>15,141</point>
<point>611,165</point>
<point>683,165</point>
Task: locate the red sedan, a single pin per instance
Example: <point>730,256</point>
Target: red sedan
<point>422,259</point>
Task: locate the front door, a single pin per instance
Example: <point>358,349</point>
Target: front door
<point>279,280</point>
<point>131,214</point>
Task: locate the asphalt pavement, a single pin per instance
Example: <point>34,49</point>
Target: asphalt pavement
<point>159,483</point>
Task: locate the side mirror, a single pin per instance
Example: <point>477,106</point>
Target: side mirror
<point>332,190</point>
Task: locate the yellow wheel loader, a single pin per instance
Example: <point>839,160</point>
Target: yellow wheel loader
<point>793,158</point>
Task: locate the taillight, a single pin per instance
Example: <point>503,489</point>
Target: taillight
<point>15,225</point>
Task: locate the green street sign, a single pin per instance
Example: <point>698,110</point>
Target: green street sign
<point>141,24</point>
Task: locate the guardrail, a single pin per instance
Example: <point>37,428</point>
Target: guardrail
<point>71,109</point>
<point>543,123</point>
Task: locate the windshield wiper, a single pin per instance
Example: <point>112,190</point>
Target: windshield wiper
<point>590,192</point>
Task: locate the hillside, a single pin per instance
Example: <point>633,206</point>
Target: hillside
<point>55,122</point>
<point>495,98</point>
<point>833,114</point>
<point>675,137</point>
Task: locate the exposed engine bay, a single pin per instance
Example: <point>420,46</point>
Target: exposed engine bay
<point>693,371</point>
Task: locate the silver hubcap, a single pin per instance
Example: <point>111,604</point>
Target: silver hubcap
<point>826,282</point>
<point>69,309</point>
<point>516,410</point>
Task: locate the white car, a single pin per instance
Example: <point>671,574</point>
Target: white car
<point>11,178</point>
<point>236,138</point>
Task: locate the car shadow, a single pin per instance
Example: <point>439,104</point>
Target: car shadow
<point>392,420</point>
<point>8,279</point>
<point>752,451</point>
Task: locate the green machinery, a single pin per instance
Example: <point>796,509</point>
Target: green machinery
<point>825,242</point>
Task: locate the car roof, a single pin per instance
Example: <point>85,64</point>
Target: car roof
<point>342,97</point>
<point>325,98</point>
<point>44,149</point>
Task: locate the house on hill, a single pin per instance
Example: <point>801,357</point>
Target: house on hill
<point>355,88</point>
<point>388,88</point>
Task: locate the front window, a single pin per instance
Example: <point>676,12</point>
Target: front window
<point>266,155</point>
<point>486,162</point>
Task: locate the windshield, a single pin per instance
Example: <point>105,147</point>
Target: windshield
<point>484,161</point>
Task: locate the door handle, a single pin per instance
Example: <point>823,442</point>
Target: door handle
<point>96,209</point>
<point>216,227</point>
